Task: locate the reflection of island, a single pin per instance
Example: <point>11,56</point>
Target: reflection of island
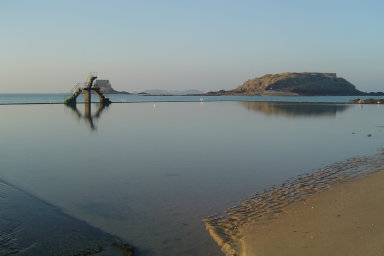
<point>88,113</point>
<point>295,109</point>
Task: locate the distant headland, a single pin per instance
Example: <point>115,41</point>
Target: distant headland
<point>295,84</point>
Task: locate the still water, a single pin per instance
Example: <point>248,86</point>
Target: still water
<point>149,172</point>
<point>57,98</point>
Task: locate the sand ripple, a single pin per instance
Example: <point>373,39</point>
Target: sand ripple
<point>270,203</point>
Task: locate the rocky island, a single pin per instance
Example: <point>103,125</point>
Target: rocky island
<point>295,84</point>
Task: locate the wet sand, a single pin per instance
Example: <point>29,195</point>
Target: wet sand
<point>345,220</point>
<point>29,226</point>
<point>337,210</point>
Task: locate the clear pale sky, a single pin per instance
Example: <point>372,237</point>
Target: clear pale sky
<point>48,46</point>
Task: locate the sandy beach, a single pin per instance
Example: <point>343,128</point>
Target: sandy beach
<point>345,220</point>
<point>337,210</point>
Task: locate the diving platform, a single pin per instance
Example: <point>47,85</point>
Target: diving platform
<point>87,88</point>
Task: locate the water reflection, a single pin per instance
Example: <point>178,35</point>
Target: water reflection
<point>294,109</point>
<point>151,175</point>
<point>88,116</point>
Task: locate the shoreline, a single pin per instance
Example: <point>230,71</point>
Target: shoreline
<point>30,226</point>
<point>262,99</point>
<point>246,226</point>
<point>129,102</point>
<point>345,220</point>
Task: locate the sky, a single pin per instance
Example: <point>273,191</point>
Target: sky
<point>49,46</point>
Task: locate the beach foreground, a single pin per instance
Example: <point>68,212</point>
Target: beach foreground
<point>30,226</point>
<point>337,210</point>
<point>345,220</point>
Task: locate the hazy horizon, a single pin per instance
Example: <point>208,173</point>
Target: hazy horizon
<point>48,46</point>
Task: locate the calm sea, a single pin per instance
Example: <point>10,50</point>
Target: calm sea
<point>60,98</point>
<point>150,172</point>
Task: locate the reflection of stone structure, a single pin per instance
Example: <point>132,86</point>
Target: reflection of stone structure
<point>87,89</point>
<point>88,113</point>
<point>295,109</point>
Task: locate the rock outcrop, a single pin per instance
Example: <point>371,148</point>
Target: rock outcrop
<point>287,84</point>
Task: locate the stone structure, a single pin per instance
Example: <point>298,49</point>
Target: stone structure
<point>102,83</point>
<point>87,88</point>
